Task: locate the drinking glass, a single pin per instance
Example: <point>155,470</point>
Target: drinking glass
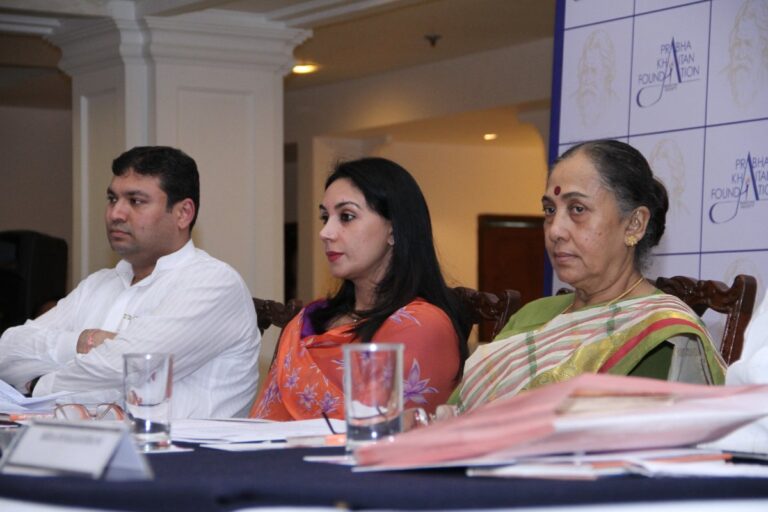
<point>373,392</point>
<point>148,382</point>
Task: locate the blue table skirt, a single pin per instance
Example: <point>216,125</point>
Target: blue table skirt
<point>215,480</point>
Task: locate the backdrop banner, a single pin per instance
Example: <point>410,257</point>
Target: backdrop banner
<point>685,82</point>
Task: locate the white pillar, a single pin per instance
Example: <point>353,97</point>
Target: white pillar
<point>107,62</point>
<point>209,83</point>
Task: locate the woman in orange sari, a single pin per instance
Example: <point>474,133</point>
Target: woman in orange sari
<point>377,236</point>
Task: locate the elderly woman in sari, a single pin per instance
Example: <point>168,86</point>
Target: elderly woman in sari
<point>377,235</point>
<point>603,212</point>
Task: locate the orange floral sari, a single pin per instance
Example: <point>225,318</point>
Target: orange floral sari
<point>306,377</point>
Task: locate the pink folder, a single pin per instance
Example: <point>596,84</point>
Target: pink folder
<point>589,413</point>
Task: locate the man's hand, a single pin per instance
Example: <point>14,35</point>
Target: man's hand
<point>91,338</point>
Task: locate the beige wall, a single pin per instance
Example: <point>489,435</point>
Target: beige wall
<point>462,182</point>
<point>36,171</point>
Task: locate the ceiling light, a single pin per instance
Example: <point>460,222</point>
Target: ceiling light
<point>490,136</point>
<point>305,68</point>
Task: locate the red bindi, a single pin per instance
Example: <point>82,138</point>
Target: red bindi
<point>557,190</point>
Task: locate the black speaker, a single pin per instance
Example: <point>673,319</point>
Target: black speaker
<point>33,271</point>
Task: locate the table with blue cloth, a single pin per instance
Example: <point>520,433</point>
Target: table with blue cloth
<point>214,480</point>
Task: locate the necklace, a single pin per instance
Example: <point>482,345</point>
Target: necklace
<point>616,299</point>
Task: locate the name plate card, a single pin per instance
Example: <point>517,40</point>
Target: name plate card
<point>93,449</point>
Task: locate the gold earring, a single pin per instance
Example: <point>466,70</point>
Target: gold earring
<point>630,240</point>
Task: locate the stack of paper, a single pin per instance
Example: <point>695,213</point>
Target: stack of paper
<point>11,401</point>
<point>590,413</point>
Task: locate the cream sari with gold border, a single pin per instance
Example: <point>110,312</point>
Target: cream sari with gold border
<point>600,339</point>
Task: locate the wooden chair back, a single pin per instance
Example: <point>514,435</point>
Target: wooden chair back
<point>486,306</point>
<point>735,302</point>
<point>481,306</point>
<point>270,312</point>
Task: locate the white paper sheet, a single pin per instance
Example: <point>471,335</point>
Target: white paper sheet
<point>11,401</point>
<point>246,447</point>
<point>702,469</point>
<point>248,431</point>
<point>547,471</point>
<point>595,465</point>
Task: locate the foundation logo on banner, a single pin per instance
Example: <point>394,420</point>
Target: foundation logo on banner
<point>748,186</point>
<point>676,65</point>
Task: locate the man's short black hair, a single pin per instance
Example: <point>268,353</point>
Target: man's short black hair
<point>176,170</point>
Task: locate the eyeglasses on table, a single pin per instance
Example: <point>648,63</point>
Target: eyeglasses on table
<point>105,411</point>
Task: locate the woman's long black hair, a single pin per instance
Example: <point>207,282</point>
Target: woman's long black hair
<point>413,269</point>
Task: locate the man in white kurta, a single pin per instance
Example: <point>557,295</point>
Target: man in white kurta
<point>751,368</point>
<point>165,295</point>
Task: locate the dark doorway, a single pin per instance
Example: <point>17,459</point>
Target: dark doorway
<point>510,256</point>
<point>291,242</point>
<point>291,225</point>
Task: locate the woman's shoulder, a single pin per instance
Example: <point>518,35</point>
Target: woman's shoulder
<point>422,307</point>
<point>552,300</point>
<point>535,313</point>
<point>660,305</point>
<point>420,313</point>
<point>544,308</point>
<point>664,301</point>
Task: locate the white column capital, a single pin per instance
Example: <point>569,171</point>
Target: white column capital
<point>97,44</point>
<point>223,39</point>
<point>210,38</point>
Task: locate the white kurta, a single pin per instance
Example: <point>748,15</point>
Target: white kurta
<point>192,306</point>
<point>751,368</point>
